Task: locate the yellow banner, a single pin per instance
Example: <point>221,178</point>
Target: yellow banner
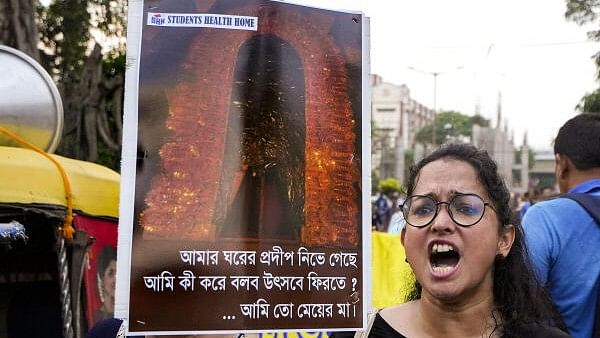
<point>392,277</point>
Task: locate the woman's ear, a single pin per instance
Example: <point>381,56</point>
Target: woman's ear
<point>506,240</point>
<point>402,234</point>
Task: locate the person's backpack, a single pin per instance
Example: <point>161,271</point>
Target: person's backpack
<point>592,205</point>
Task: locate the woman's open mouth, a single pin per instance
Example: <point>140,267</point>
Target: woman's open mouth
<point>443,258</point>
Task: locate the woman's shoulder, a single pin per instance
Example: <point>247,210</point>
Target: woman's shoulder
<point>382,329</point>
<point>397,318</point>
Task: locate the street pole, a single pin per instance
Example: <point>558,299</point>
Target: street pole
<point>435,76</point>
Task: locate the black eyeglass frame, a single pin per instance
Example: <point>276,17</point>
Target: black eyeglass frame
<point>437,209</point>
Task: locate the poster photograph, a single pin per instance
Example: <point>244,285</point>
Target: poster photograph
<point>99,271</point>
<point>245,157</point>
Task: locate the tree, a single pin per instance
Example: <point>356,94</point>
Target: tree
<point>18,28</point>
<point>450,126</point>
<point>389,186</point>
<point>583,12</point>
<point>590,103</point>
<point>90,81</point>
<point>480,120</point>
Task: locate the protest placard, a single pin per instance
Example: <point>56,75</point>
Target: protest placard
<point>244,164</point>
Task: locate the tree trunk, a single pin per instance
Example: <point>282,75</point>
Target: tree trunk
<point>93,111</point>
<point>17,26</point>
<point>81,101</point>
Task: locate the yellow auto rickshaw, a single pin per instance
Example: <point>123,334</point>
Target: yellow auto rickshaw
<point>58,216</point>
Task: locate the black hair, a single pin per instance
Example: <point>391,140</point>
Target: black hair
<point>518,296</point>
<point>579,140</point>
<point>107,254</point>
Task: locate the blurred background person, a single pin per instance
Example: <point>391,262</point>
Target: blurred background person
<point>397,221</point>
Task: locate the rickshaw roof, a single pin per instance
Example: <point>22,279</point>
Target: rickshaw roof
<point>27,177</point>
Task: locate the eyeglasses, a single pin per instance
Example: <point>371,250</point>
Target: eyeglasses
<point>464,209</point>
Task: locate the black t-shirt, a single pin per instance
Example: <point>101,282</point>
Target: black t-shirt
<point>381,329</point>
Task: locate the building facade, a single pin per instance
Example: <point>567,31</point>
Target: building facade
<point>542,173</point>
<point>520,177</point>
<point>396,118</point>
<point>499,144</point>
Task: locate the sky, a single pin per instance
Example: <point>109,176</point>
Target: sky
<point>526,50</point>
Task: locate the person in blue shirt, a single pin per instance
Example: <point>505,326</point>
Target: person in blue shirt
<point>563,239</point>
<point>383,205</point>
<point>526,204</point>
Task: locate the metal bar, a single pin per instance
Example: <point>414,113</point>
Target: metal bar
<point>65,289</point>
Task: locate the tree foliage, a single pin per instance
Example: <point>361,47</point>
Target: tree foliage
<point>584,12</point>
<point>66,28</point>
<point>480,120</point>
<point>590,103</point>
<point>450,126</point>
<point>389,186</point>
